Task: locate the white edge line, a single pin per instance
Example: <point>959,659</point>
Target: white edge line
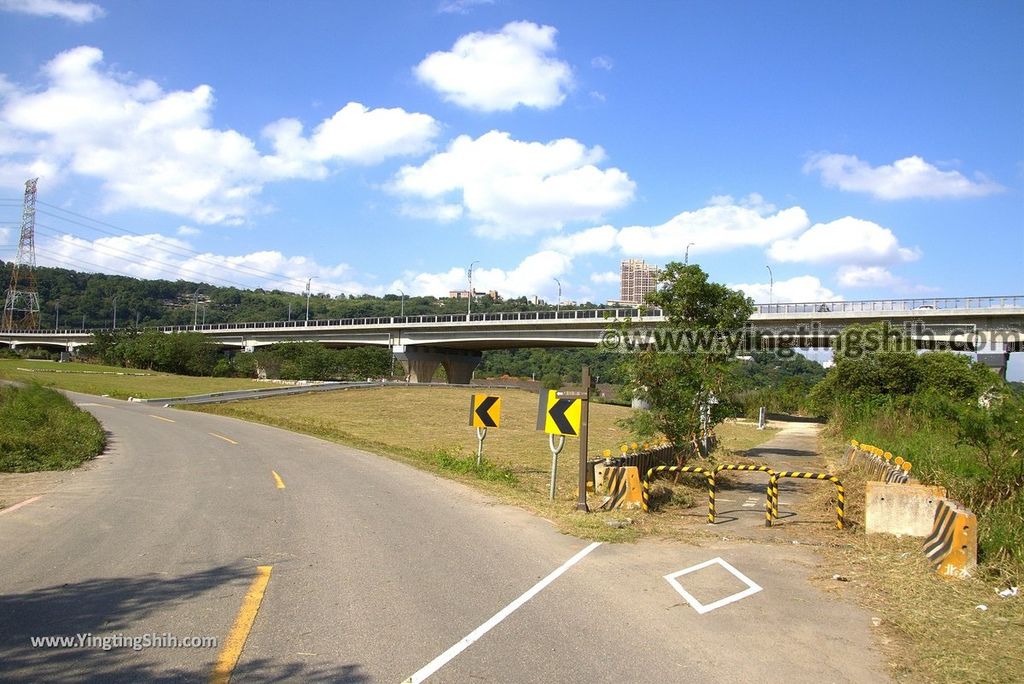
<point>26,502</point>
<point>752,587</point>
<point>441,660</point>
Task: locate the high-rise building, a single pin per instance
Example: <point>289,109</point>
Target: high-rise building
<point>637,279</point>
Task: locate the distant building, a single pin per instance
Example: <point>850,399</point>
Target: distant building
<point>464,294</point>
<point>636,280</point>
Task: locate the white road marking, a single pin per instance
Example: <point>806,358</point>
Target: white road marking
<point>26,502</point>
<point>751,502</point>
<point>443,659</point>
<point>752,588</point>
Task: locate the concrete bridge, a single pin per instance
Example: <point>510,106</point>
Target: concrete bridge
<point>991,326</point>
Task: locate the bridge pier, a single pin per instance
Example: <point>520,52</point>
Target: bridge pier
<point>420,363</point>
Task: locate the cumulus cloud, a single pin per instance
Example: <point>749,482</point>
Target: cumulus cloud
<point>866,276</point>
<point>512,187</point>
<point>850,240</point>
<point>805,288</point>
<point>78,12</point>
<point>602,62</point>
<point>723,225</point>
<point>188,231</point>
<point>500,71</point>
<point>533,276</point>
<point>153,149</point>
<point>159,256</point>
<point>911,177</point>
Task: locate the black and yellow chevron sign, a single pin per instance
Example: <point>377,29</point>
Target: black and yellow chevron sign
<point>484,411</point>
<point>559,415</point>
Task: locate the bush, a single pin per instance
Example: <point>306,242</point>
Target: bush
<point>44,430</point>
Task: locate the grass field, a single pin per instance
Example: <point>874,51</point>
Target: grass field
<point>116,382</point>
<point>43,430</point>
<point>429,427</point>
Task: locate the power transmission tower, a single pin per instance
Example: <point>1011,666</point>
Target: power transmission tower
<point>21,306</point>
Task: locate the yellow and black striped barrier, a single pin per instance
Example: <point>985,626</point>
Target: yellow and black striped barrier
<point>773,484</point>
<point>709,477</point>
<point>952,547</point>
<point>623,488</point>
<point>770,503</point>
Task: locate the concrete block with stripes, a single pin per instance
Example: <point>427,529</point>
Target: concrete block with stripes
<point>952,547</point>
<point>619,477</point>
<point>773,485</point>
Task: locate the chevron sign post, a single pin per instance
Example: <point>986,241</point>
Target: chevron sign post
<point>566,413</point>
<point>484,412</point>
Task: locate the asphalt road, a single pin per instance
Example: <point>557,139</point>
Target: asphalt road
<point>377,570</point>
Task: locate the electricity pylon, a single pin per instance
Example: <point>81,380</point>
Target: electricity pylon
<point>21,305</point>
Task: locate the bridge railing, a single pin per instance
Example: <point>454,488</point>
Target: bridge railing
<point>618,313</point>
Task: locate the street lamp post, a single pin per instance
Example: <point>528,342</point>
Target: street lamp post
<point>402,312</point>
<point>195,312</point>
<point>469,274</point>
<point>56,323</point>
<point>558,303</point>
<point>115,312</point>
<point>309,282</point>
<point>686,256</point>
<point>771,285</point>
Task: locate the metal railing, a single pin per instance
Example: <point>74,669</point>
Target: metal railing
<point>604,314</point>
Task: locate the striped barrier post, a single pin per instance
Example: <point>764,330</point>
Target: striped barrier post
<point>840,491</point>
<point>708,475</point>
<point>952,547</point>
<point>769,504</point>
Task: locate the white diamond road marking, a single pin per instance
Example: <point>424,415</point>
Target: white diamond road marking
<point>752,587</point>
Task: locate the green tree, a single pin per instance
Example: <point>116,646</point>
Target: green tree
<point>685,374</point>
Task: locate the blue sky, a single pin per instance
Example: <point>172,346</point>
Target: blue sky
<point>860,150</point>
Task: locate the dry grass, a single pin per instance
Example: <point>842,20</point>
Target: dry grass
<point>933,630</point>
<point>413,424</point>
<point>117,382</point>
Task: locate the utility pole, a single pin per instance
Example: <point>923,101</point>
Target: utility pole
<point>469,274</point>
<point>21,305</point>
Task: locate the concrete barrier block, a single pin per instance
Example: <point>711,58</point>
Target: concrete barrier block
<point>901,509</point>
<point>952,546</point>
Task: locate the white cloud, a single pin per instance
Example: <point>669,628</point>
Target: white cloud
<point>159,256</point>
<point>187,231</point>
<point>866,276</point>
<point>512,187</point>
<point>500,71</point>
<point>442,213</point>
<point>911,177</point>
<point>158,150</point>
<point>78,12</point>
<point>533,276</point>
<point>714,228</point>
<point>848,239</point>
<point>607,277</point>
<point>598,240</point>
<point>798,289</point>
<point>461,6</point>
<point>602,62</point>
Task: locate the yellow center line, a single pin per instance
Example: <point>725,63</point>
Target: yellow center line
<point>277,479</point>
<point>228,657</point>
<point>226,439</point>
<point>166,420</point>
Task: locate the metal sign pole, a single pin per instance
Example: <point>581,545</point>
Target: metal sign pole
<point>581,503</point>
<point>481,435</point>
<point>554,461</point>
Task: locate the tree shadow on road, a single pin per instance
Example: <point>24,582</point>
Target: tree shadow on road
<point>110,606</point>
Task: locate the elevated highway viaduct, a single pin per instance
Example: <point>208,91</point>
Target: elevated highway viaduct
<point>991,326</point>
